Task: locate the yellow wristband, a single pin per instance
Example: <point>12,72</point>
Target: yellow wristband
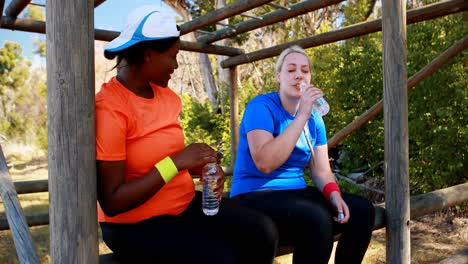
<point>167,169</point>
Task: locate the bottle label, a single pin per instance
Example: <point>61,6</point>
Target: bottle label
<point>210,195</point>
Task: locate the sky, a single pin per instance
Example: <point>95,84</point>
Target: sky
<point>110,15</point>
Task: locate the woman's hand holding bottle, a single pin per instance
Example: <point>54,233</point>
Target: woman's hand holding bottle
<point>313,97</point>
<point>195,155</point>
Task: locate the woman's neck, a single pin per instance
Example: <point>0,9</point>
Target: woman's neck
<point>289,104</point>
<point>132,79</point>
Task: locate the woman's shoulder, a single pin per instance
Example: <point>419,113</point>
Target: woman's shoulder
<point>271,98</point>
<point>111,95</point>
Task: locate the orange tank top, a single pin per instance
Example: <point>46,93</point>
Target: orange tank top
<point>142,132</point>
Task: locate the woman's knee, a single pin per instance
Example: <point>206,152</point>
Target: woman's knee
<point>362,210</point>
<point>367,208</point>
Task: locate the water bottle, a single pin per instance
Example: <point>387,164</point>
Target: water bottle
<point>320,106</point>
<point>210,202</point>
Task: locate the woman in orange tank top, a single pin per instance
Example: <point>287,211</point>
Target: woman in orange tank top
<point>149,211</point>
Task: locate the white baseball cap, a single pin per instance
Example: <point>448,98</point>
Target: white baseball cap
<point>145,23</point>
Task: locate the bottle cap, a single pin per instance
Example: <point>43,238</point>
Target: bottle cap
<point>340,216</point>
<point>303,85</point>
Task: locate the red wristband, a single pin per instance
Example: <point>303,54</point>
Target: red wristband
<point>329,188</point>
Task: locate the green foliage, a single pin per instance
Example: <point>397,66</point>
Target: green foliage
<point>37,13</point>
<point>357,11</point>
<point>200,8</point>
<point>437,123</point>
<point>13,73</point>
<point>357,87</point>
<point>348,187</point>
<point>22,97</point>
<point>201,125</point>
<point>40,47</point>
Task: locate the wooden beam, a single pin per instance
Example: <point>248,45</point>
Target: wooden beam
<point>219,14</point>
<point>234,112</point>
<point>279,6</point>
<point>107,35</point>
<point>2,4</point>
<point>268,19</point>
<point>421,205</point>
<point>424,204</point>
<point>251,16</point>
<point>210,49</point>
<point>396,150</point>
<point>427,203</point>
<point>15,7</point>
<point>32,220</point>
<point>27,25</point>
<point>36,186</point>
<point>421,75</point>
<point>15,217</point>
<point>460,257</point>
<point>71,115</point>
<point>98,3</point>
<point>413,16</point>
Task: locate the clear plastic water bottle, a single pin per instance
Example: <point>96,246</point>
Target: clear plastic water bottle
<point>320,106</point>
<point>210,195</point>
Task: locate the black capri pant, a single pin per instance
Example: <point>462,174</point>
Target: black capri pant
<point>304,219</point>
<point>237,234</point>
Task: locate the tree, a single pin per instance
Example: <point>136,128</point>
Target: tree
<point>437,107</point>
<point>204,63</point>
<point>14,71</point>
<point>37,13</point>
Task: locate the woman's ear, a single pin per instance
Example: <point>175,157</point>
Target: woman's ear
<point>277,76</point>
<point>147,55</point>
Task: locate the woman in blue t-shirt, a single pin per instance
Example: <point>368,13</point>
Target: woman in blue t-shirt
<point>279,135</point>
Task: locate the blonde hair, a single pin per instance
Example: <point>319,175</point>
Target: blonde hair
<point>286,52</point>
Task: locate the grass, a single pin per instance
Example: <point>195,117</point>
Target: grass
<point>433,237</point>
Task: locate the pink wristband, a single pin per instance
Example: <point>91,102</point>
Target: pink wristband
<point>329,188</point>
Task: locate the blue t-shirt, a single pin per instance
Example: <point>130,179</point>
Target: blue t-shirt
<point>265,112</point>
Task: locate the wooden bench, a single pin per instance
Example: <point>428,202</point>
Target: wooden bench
<point>109,257</point>
<point>420,205</point>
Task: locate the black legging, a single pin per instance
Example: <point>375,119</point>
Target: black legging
<point>236,234</point>
<point>304,219</point>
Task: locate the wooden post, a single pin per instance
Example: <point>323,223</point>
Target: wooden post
<point>234,103</point>
<point>396,132</point>
<point>16,220</point>
<point>70,102</point>
<point>2,4</point>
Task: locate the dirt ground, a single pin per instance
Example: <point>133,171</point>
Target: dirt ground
<point>433,237</point>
